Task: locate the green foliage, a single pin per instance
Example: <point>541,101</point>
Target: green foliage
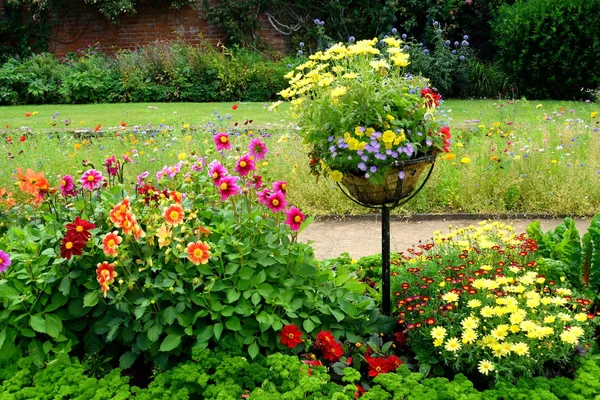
<point>550,47</point>
<point>258,278</point>
<point>165,71</point>
<point>219,376</point>
<point>565,254</point>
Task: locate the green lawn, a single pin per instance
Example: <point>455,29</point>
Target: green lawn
<point>506,158</point>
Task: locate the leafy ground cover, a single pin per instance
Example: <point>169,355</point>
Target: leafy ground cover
<point>522,157</point>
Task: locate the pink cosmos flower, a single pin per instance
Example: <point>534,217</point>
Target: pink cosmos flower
<point>263,195</point>
<point>4,261</point>
<point>67,187</point>
<point>222,141</point>
<point>217,171</point>
<point>276,202</point>
<point>294,218</point>
<point>112,165</point>
<point>228,187</point>
<point>244,165</point>
<point>280,186</point>
<point>91,180</point>
<point>141,177</point>
<point>258,149</point>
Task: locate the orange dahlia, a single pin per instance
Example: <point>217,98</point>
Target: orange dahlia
<point>174,214</point>
<point>111,242</point>
<point>198,252</point>
<point>105,275</point>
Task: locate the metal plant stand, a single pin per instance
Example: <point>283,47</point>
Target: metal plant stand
<point>398,199</point>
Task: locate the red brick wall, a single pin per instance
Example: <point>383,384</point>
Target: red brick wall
<point>151,23</point>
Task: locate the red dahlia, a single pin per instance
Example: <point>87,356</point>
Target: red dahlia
<point>290,336</point>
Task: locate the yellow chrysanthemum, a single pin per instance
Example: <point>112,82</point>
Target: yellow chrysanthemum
<point>474,303</point>
<point>452,345</point>
<point>439,332</point>
<point>520,349</point>
<point>469,336</point>
<point>485,367</point>
<point>450,297</point>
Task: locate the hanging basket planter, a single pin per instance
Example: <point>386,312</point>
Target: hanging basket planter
<point>393,187</point>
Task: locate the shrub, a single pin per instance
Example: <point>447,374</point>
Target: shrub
<point>550,47</point>
<point>33,80</point>
<point>156,270</point>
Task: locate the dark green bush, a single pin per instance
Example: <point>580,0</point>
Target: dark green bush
<point>550,47</point>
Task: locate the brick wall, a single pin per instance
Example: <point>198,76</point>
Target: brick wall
<point>85,26</point>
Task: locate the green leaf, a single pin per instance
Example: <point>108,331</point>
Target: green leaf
<point>36,352</point>
<point>233,324</point>
<point>37,323</point>
<point>2,337</point>
<point>58,300</point>
<point>245,273</point>
<point>154,332</point>
<point>265,290</point>
<point>169,315</point>
<point>90,299</point>
<point>205,334</point>
<point>127,359</point>
<point>253,350</point>
<point>233,295</point>
<point>256,298</point>
<point>218,329</point>
<point>171,341</point>
<point>65,286</point>
<point>308,325</point>
<point>53,325</point>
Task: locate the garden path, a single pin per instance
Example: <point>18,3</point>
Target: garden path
<point>362,237</point>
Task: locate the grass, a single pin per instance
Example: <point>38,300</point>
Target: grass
<point>506,158</point>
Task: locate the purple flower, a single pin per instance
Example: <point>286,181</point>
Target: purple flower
<point>67,187</point>
<point>362,166</point>
<point>141,177</point>
<point>4,261</point>
<point>401,175</point>
<point>373,169</point>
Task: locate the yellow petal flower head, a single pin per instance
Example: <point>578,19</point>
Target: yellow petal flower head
<point>336,176</point>
<point>485,367</point>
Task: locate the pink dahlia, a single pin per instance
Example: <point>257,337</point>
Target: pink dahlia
<point>263,195</point>
<point>228,187</point>
<point>280,186</point>
<point>222,141</point>
<point>67,187</point>
<point>217,171</point>
<point>244,165</point>
<point>294,218</point>
<point>276,202</point>
<point>258,149</point>
<point>91,180</point>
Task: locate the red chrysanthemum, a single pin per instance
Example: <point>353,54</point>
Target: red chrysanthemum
<point>393,363</point>
<point>324,338</point>
<point>105,275</point>
<point>290,336</point>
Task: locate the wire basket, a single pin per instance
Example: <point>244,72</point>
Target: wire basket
<point>392,188</point>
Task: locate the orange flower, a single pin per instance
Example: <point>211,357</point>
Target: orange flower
<point>175,196</point>
<point>118,213</point>
<point>29,181</point>
<point>198,252</point>
<point>174,215</point>
<point>138,232</point>
<point>164,236</point>
<point>105,275</point>
<point>129,224</point>
<point>111,242</point>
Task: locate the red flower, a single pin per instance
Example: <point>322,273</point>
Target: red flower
<point>333,352</point>
<point>72,244</point>
<point>324,339</point>
<point>393,363</point>
<point>80,227</point>
<point>234,107</point>
<point>28,114</point>
<point>97,128</point>
<point>290,336</point>
<point>377,365</point>
<point>400,338</point>
<point>23,138</point>
<point>432,98</point>
<point>359,391</point>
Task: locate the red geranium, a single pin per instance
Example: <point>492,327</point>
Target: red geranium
<point>290,336</point>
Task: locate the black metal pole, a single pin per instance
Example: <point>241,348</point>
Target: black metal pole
<point>385,260</point>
